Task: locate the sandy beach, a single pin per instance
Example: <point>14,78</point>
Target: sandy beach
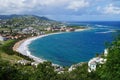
<point>22,46</point>
<point>82,29</point>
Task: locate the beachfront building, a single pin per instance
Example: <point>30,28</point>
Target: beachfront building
<point>49,29</point>
<point>63,28</point>
<point>92,64</point>
<point>70,29</point>
<point>97,61</point>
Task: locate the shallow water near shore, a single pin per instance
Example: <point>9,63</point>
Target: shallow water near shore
<point>70,48</point>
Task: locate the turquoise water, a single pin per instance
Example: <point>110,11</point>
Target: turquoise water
<point>70,48</point>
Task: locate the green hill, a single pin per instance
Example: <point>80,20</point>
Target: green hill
<point>22,21</point>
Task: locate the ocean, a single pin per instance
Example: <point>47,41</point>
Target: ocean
<point>71,48</point>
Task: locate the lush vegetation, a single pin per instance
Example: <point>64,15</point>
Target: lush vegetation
<point>23,21</point>
<point>111,70</point>
<point>7,46</point>
<point>43,72</point>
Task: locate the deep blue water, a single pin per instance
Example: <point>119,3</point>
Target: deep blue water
<point>74,47</point>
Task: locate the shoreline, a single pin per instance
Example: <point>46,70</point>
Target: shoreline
<point>22,46</point>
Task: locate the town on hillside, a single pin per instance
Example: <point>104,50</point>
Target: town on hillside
<point>27,26</point>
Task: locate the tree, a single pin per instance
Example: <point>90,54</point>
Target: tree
<point>44,72</point>
<point>111,69</point>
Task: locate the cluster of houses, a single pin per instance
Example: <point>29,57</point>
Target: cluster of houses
<point>35,22</point>
<point>17,33</point>
<point>4,37</point>
<point>92,64</point>
<point>61,29</point>
<point>58,69</point>
<point>73,67</point>
<point>24,62</point>
<point>31,30</point>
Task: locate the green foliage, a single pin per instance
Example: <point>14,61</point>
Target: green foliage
<point>44,72</point>
<point>8,72</point>
<point>7,47</point>
<point>81,73</point>
<point>111,70</point>
<point>23,21</point>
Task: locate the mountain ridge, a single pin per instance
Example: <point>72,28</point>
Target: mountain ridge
<point>3,17</point>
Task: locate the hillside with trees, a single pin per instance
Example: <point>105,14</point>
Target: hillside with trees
<point>23,21</point>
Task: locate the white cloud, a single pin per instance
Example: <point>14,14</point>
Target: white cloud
<point>51,7</point>
<point>111,9</point>
<point>76,5</point>
<point>20,6</point>
<point>15,6</point>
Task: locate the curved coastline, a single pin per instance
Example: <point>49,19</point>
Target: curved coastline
<point>22,46</point>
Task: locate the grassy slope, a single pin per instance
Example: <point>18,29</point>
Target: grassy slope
<point>10,58</point>
<point>5,56</point>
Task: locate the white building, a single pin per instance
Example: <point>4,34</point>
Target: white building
<point>105,52</point>
<point>2,38</point>
<point>23,62</point>
<point>35,64</point>
<point>94,62</point>
<point>71,68</point>
<point>92,66</point>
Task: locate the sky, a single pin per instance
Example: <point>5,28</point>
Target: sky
<point>64,10</point>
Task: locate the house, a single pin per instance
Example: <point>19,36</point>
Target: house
<point>35,64</point>
<point>2,38</point>
<point>63,28</point>
<point>105,52</point>
<point>28,30</point>
<point>70,29</point>
<point>49,29</point>
<point>59,69</point>
<point>23,62</point>
<point>94,62</point>
<point>56,28</point>
<point>92,66</point>
<point>73,67</point>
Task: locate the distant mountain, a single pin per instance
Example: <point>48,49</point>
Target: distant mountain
<point>3,17</point>
<point>22,21</point>
<point>8,16</point>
